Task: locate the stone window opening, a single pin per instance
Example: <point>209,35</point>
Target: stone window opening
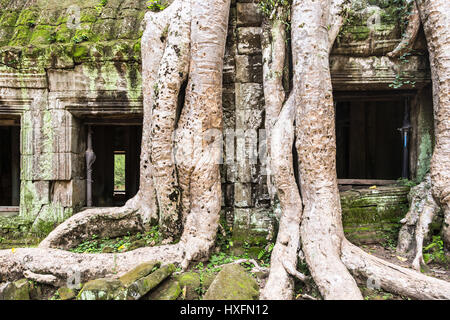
<point>9,166</point>
<point>112,170</point>
<point>373,134</point>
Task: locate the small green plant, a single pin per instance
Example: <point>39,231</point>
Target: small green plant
<point>119,244</point>
<point>200,290</point>
<point>406,182</point>
<point>435,251</point>
<point>156,5</point>
<point>265,253</point>
<point>80,38</point>
<point>99,7</point>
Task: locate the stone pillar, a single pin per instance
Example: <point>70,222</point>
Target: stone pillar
<point>15,166</point>
<point>90,159</point>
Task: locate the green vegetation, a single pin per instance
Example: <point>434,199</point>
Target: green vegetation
<point>157,5</point>
<point>277,10</point>
<point>119,244</point>
<point>119,172</point>
<point>406,182</point>
<point>101,5</point>
<point>434,252</point>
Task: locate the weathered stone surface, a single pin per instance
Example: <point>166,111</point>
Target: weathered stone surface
<point>249,40</point>
<point>233,283</point>
<point>142,286</point>
<point>66,293</point>
<point>243,192</point>
<point>18,290</point>
<point>249,68</point>
<point>168,290</point>
<point>190,282</point>
<point>139,272</point>
<point>101,289</point>
<point>373,215</point>
<point>248,14</point>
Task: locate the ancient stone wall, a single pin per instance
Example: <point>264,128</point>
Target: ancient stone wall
<point>63,61</point>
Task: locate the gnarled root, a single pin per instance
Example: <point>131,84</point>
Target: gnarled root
<point>60,267</point>
<point>104,222</point>
<point>284,254</point>
<point>280,140</point>
<point>392,278</point>
<point>416,223</point>
<point>166,59</point>
<point>410,34</point>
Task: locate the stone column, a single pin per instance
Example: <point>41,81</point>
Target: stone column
<point>90,159</point>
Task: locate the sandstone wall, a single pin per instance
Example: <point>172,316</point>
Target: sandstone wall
<point>61,61</point>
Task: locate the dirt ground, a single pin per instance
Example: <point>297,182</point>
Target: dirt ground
<point>434,269</point>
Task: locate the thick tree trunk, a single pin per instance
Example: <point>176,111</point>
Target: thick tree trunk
<point>185,41</point>
<point>435,17</point>
<point>422,209</point>
<point>321,227</point>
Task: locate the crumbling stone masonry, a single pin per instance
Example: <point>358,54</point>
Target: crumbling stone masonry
<point>68,64</point>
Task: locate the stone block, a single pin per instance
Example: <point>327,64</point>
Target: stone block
<point>243,195</point>
<point>139,272</point>
<point>249,68</point>
<point>233,283</point>
<point>248,14</point>
<point>249,40</point>
<point>249,96</point>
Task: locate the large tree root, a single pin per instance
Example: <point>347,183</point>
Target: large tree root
<point>435,17</point>
<point>166,61</point>
<point>280,141</point>
<point>392,278</point>
<point>103,222</point>
<point>283,261</point>
<point>321,227</point>
<point>410,34</point>
<point>59,267</point>
<point>416,223</point>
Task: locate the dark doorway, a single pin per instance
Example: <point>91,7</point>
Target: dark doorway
<point>368,139</point>
<point>116,168</point>
<point>9,166</point>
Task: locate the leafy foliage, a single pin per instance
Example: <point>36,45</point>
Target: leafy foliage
<point>157,5</point>
<point>119,172</point>
<point>277,9</point>
<point>434,252</point>
<point>120,244</point>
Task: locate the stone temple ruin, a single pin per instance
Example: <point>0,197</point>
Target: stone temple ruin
<point>70,81</point>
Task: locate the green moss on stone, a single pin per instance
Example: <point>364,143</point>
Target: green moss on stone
<point>233,283</point>
<point>8,18</point>
<point>28,17</point>
<point>139,272</point>
<point>168,290</point>
<point>42,35</point>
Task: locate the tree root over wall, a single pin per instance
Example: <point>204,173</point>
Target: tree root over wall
<point>180,179</point>
<point>332,260</point>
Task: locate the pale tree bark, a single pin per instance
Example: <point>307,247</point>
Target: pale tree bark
<point>321,227</point>
<point>330,257</point>
<point>422,209</point>
<point>185,42</point>
<point>435,17</point>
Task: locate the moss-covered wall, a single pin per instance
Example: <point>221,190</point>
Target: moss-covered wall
<point>58,34</point>
<point>66,59</point>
